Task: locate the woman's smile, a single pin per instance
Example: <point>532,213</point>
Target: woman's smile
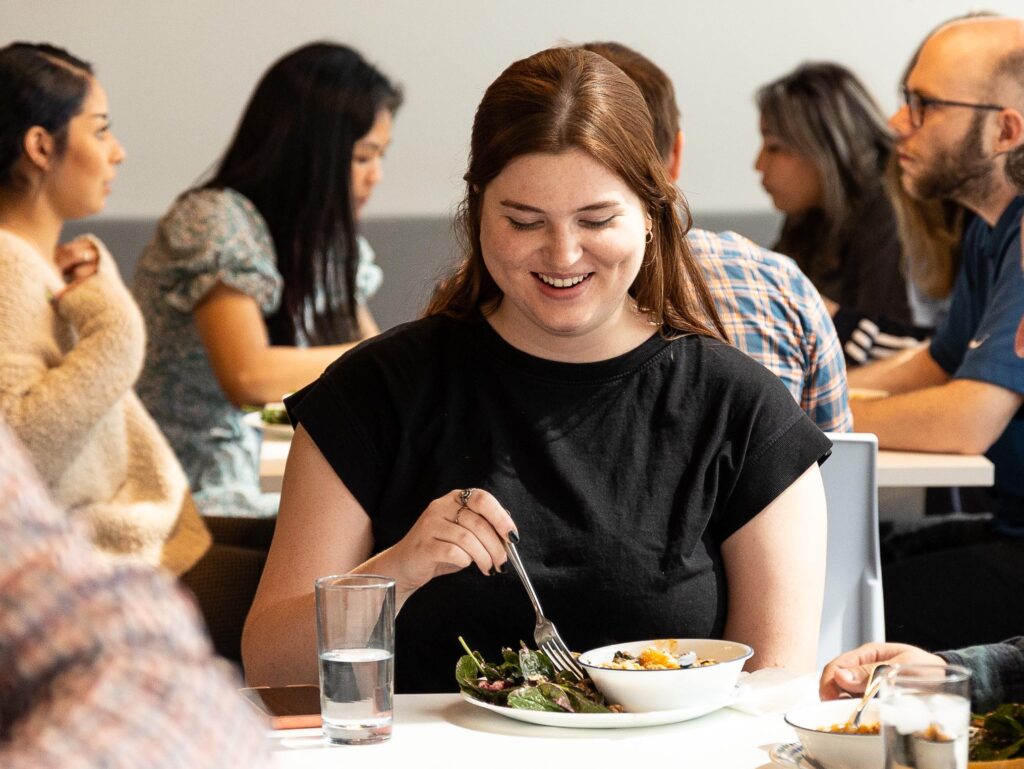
<point>562,282</point>
<point>564,237</point>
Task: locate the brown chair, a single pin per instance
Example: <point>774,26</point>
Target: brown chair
<point>224,581</point>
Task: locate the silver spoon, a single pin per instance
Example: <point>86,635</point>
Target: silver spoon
<point>874,684</point>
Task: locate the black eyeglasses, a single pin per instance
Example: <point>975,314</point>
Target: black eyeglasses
<point>917,103</point>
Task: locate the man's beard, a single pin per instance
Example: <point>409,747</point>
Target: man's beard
<point>964,175</point>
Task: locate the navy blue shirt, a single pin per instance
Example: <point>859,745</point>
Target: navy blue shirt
<point>976,342</point>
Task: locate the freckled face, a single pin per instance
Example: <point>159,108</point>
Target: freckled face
<point>368,160</point>
<point>80,180</point>
<point>791,180</point>
<point>564,238</point>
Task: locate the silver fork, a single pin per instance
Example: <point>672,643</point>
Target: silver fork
<point>545,634</point>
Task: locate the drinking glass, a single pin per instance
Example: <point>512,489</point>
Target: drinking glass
<point>355,635</point>
<point>925,712</point>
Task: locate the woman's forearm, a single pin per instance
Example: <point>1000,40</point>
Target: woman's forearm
<point>279,644</point>
<point>273,372</point>
<point>53,408</point>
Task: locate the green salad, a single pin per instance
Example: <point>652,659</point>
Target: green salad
<point>999,735</point>
<point>527,680</point>
<point>274,414</point>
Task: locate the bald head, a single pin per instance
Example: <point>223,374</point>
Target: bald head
<point>984,55</point>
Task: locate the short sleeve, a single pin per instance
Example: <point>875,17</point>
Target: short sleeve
<point>769,443</point>
<point>349,413</point>
<point>769,470</point>
<point>369,275</point>
<point>978,342</point>
<point>210,237</point>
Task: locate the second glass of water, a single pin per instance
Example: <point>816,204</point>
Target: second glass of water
<point>925,712</point>
<point>355,633</point>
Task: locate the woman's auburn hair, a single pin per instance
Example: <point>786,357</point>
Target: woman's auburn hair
<point>563,99</point>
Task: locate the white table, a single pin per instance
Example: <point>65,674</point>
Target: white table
<point>896,469</point>
<point>273,455</point>
<point>442,731</point>
<point>918,469</point>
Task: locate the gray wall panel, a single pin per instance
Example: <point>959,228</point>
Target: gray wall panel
<point>413,251</point>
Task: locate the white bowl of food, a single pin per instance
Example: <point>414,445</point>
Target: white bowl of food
<point>820,729</point>
<point>667,674</point>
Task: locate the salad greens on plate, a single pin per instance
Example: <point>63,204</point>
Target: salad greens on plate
<point>526,680</point>
<point>999,735</point>
<point>274,414</point>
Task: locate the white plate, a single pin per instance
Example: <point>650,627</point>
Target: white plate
<point>283,432</point>
<point>601,720</point>
<point>789,754</point>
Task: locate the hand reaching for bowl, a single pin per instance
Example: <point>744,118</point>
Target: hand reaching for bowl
<point>460,529</point>
<point>850,672</point>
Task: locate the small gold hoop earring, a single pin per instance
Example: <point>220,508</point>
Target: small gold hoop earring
<point>650,236</point>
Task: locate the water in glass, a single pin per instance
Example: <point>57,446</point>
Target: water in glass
<point>356,693</point>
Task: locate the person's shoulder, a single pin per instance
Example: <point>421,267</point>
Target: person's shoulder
<point>753,262</point>
<point>205,214</point>
<point>22,265</point>
<point>405,344</point>
<point>725,372</point>
<point>15,250</point>
<point>716,359</point>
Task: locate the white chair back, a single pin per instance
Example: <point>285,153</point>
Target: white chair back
<point>853,612</point>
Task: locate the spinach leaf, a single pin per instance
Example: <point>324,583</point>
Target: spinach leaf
<point>531,698</point>
<point>526,679</point>
<point>1000,734</point>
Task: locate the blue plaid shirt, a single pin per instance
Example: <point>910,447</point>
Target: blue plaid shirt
<point>774,314</point>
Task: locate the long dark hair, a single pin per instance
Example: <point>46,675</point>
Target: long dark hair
<point>292,157</point>
<point>822,112</point>
<point>568,98</point>
<point>40,85</point>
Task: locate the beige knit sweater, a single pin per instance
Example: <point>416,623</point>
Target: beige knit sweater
<point>66,377</point>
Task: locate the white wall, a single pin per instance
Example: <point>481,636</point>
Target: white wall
<point>179,71</point>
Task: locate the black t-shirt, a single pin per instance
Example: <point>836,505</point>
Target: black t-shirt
<point>623,477</point>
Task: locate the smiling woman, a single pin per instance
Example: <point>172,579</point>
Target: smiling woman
<point>564,268</point>
<point>571,371</point>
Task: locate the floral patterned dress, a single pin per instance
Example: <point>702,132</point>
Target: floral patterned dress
<point>210,237</point>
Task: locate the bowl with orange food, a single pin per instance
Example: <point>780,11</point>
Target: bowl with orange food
<point>668,673</point>
<point>827,737</point>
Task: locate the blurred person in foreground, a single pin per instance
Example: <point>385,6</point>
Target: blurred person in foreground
<point>102,665</point>
<point>769,308</point>
<point>954,581</point>
<point>568,389</point>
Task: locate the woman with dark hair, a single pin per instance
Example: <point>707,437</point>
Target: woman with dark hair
<point>571,369</point>
<point>71,338</point>
<point>257,280</point>
<point>823,161</point>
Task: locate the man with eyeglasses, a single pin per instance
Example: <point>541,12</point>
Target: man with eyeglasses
<point>959,581</point>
